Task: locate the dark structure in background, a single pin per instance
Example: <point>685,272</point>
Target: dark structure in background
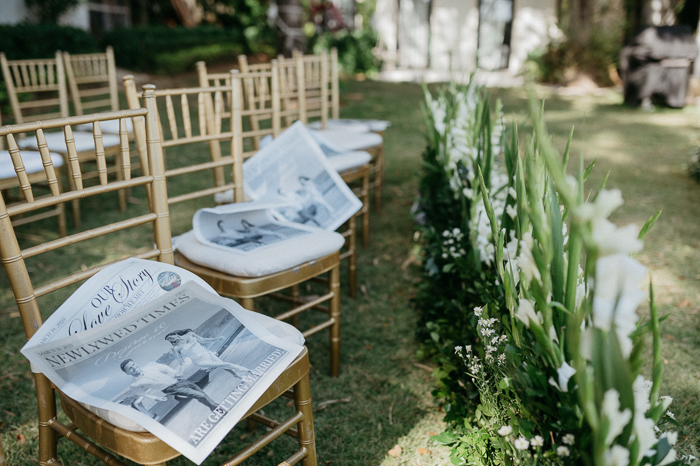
<point>658,63</point>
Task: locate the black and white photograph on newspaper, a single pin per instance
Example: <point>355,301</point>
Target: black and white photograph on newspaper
<point>294,166</point>
<point>187,366</point>
<point>245,227</point>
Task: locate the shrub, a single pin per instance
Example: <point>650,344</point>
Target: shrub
<point>182,60</point>
<point>138,48</point>
<point>24,41</point>
<point>354,49</point>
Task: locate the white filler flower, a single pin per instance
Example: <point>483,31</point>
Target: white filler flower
<point>505,430</point>
<point>521,443</point>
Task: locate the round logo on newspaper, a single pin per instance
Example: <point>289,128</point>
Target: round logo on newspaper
<point>169,280</point>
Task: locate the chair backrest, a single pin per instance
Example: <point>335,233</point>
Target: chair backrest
<point>292,95</point>
<point>36,88</point>
<point>92,80</point>
<point>158,245</point>
<point>193,132</point>
<point>315,70</point>
<point>260,108</point>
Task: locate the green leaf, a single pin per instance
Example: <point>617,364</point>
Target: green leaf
<point>649,225</point>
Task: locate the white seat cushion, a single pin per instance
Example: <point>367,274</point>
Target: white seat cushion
<point>32,163</point>
<point>278,328</point>
<point>356,125</point>
<point>272,259</point>
<point>84,142</point>
<point>343,141</point>
<point>107,127</point>
<point>349,160</point>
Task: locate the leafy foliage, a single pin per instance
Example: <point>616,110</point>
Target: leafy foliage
<point>49,11</point>
<point>354,49</point>
<point>45,40</point>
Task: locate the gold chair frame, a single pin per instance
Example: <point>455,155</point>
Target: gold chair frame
<point>143,448</point>
<point>48,76</point>
<point>84,72</point>
<point>246,289</point>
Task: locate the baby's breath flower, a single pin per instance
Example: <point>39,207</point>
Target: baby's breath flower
<point>505,430</point>
<point>563,451</point>
<point>458,349</point>
<point>537,441</point>
<point>521,443</point>
<point>468,348</point>
<point>568,439</point>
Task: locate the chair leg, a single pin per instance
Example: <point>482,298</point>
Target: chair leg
<point>334,287</point>
<point>352,258</point>
<point>302,401</point>
<point>379,179</point>
<point>120,176</point>
<point>48,437</point>
<point>248,303</point>
<point>295,293</point>
<point>365,211</point>
<point>2,456</point>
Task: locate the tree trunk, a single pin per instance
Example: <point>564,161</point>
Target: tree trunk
<point>581,21</point>
<point>188,12</point>
<point>290,23</point>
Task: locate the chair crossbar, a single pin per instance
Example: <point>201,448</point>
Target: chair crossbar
<point>85,274</point>
<point>70,121</point>
<point>311,304</point>
<point>33,218</point>
<point>193,139</point>
<point>100,78</point>
<point>319,328</point>
<point>200,194</point>
<point>200,167</point>
<point>271,423</point>
<point>48,201</point>
<point>265,440</point>
<point>71,434</point>
<point>88,234</point>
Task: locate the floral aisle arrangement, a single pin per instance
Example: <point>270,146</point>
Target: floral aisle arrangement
<point>553,354</point>
<point>464,133</point>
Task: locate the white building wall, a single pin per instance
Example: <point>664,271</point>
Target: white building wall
<point>532,21</point>
<point>384,21</point>
<point>14,11</point>
<point>454,26</point>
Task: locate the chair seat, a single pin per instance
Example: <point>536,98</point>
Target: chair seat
<point>272,259</point>
<point>84,142</point>
<point>349,160</point>
<point>353,125</point>
<point>278,328</point>
<point>146,448</point>
<point>107,127</point>
<point>345,141</point>
<point>32,163</point>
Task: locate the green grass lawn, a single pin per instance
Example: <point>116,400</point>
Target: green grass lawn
<point>382,397</point>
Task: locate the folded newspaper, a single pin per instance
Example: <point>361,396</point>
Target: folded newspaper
<point>294,167</point>
<point>154,343</point>
<point>246,227</point>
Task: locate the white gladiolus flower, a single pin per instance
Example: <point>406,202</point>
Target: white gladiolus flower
<point>617,456</point>
<point>617,296</point>
<point>666,401</point>
<point>526,313</point>
<point>641,388</point>
<point>563,451</point>
<point>613,240</point>
<point>617,420</point>
<point>505,430</point>
<point>521,443</point>
<point>537,441</point>
<point>511,211</point>
<point>672,437</point>
<point>606,202</point>
<point>526,260</point>
<point>512,193</point>
<point>644,431</point>
<point>565,372</point>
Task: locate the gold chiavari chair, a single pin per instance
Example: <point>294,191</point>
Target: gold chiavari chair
<point>42,82</point>
<point>86,429</point>
<point>16,172</point>
<point>255,274</point>
<point>256,94</point>
<point>325,105</point>
<point>92,81</point>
